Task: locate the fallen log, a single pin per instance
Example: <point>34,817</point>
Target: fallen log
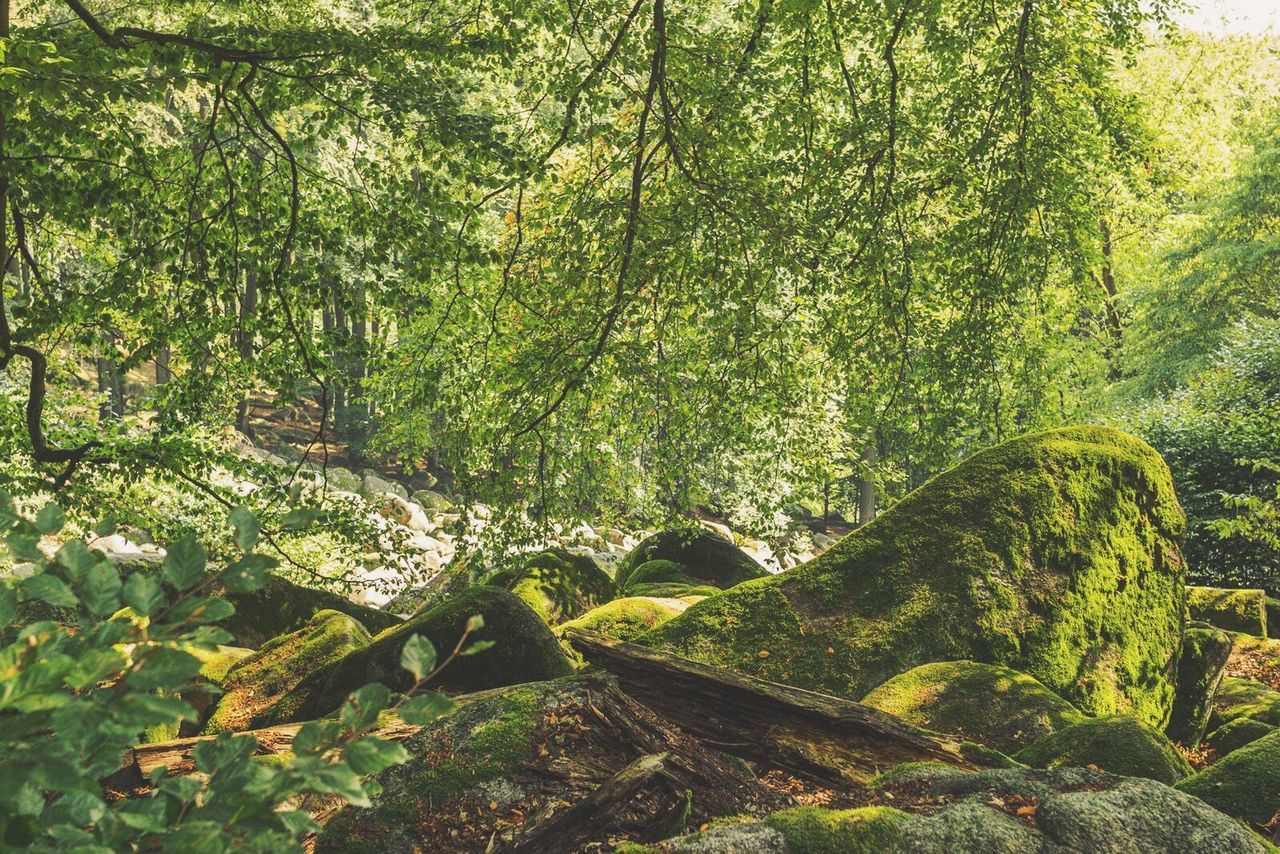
<point>804,732</point>
<point>581,823</point>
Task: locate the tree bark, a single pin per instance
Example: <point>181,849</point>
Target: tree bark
<point>810,734</point>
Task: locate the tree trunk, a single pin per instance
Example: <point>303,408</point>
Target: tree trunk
<point>110,381</point>
<point>867,486</point>
<point>244,344</point>
<point>1106,279</point>
<point>810,734</point>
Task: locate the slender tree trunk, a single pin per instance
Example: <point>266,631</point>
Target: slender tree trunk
<point>867,486</point>
<point>1106,279</point>
<point>244,344</point>
<point>110,381</point>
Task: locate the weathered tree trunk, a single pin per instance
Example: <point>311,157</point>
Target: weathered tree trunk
<point>810,734</point>
<point>244,344</point>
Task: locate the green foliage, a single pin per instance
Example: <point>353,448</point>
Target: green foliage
<point>76,694</point>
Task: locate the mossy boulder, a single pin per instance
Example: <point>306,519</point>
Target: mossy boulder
<point>986,703</point>
<point>524,650</point>
<point>1236,734</point>
<point>1273,617</point>
<point>1245,783</point>
<point>689,592</point>
<point>557,584</point>
<point>814,830</point>
<point>703,557</point>
<point>1065,809</point>
<point>280,607</point>
<point>1200,670</point>
<point>255,686</point>
<point>658,572</point>
<point>1245,698</point>
<point>1056,554</point>
<point>627,618</point>
<point>1119,744</point>
<point>1231,610</point>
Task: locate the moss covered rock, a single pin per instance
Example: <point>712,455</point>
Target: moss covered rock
<point>814,830</point>
<point>671,590</point>
<point>524,650</point>
<point>1245,698</point>
<point>1245,783</point>
<point>557,584</point>
<point>1119,744</point>
<point>1273,617</point>
<point>985,703</point>
<point>702,556</point>
<point>1056,554</point>
<point>281,606</point>
<point>627,618</point>
<point>1204,660</point>
<point>1236,734</point>
<point>1231,610</point>
<point>255,686</point>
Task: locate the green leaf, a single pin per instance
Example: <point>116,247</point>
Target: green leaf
<point>475,623</point>
<point>315,737</point>
<point>370,755</point>
<point>184,563</point>
<point>418,657</point>
<point>77,558</point>
<point>362,708</point>
<point>246,525</point>
<point>101,589</point>
<point>8,512</point>
<point>422,709</point>
<point>478,646</point>
<point>341,781</point>
<point>49,588</point>
<point>299,518</point>
<point>143,594</point>
<point>50,519</point>
<point>8,604</point>
<point>249,573</point>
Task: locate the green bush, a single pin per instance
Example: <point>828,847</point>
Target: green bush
<point>91,660</point>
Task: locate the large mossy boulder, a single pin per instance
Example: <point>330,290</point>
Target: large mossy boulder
<point>627,618</point>
<point>1245,783</point>
<point>1230,610</point>
<point>1056,554</point>
<point>1236,734</point>
<point>1204,660</point>
<point>254,687</point>
<point>984,703</point>
<point>1273,617</point>
<point>1117,743</point>
<point>280,607</point>
<point>524,650</point>
<point>696,557</point>
<point>557,584</point>
<point>866,830</point>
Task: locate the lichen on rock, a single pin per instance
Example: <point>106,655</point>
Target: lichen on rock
<point>1056,554</point>
<point>992,705</point>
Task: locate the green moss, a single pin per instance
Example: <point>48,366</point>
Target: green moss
<point>1236,734</point>
<point>814,830</point>
<point>1231,610</point>
<point>698,555</point>
<point>673,591</point>
<point>1244,783</point>
<point>1200,669</point>
<point>1273,617</point>
<point>214,664</point>
<point>1119,744</point>
<point>908,770</point>
<point>986,703</point>
<point>557,584</point>
<point>524,650</point>
<point>1056,554</point>
<point>1245,698</point>
<point>627,618</point>
<point>255,687</point>
<point>281,606</point>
